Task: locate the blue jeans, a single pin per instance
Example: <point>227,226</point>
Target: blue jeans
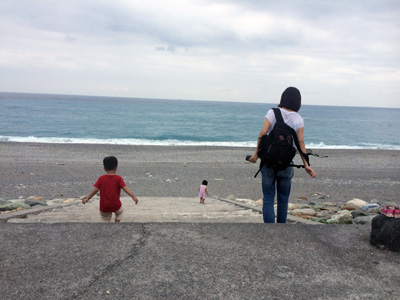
<point>282,184</point>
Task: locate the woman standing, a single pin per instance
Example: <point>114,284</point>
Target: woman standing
<point>289,106</point>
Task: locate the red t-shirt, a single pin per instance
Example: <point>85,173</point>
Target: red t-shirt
<point>110,190</point>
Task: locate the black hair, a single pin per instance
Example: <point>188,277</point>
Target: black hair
<point>291,99</point>
<point>110,163</point>
<point>205,182</point>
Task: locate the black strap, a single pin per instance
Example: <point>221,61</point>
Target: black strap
<point>278,115</point>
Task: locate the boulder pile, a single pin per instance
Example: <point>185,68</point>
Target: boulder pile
<point>354,211</point>
<point>12,205</point>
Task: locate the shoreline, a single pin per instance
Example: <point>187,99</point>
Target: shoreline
<point>69,170</point>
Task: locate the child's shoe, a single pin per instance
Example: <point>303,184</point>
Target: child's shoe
<point>396,212</point>
<point>388,211</point>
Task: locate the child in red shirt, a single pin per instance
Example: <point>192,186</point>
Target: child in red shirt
<point>110,186</point>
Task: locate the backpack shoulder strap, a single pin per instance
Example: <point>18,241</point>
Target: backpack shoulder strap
<point>278,115</point>
<point>296,142</point>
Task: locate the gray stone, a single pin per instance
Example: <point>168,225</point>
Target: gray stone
<point>16,201</point>
<point>346,219</point>
<point>305,211</point>
<point>316,205</point>
<point>35,202</point>
<point>369,206</point>
<point>333,221</point>
<point>319,220</point>
<point>385,233</point>
<point>13,205</point>
<point>359,213</point>
<point>306,206</point>
<point>3,201</point>
<point>375,210</point>
<point>362,220</point>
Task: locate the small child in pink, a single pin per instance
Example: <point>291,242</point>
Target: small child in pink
<point>203,191</point>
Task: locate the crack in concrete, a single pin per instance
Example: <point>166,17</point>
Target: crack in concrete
<point>134,251</point>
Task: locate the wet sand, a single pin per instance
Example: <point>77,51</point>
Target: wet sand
<point>69,170</point>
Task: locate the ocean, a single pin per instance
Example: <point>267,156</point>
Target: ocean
<point>44,118</point>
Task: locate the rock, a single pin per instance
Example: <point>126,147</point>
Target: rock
<point>305,211</point>
<point>385,232</point>
<point>69,200</point>
<point>259,202</point>
<point>13,205</point>
<point>329,204</point>
<point>322,214</point>
<point>35,198</point>
<point>363,219</point>
<point>302,198</point>
<point>330,208</point>
<point>316,205</point>
<point>16,201</point>
<point>342,217</point>
<point>319,220</point>
<point>370,206</point>
<point>332,221</point>
<point>359,213</point>
<point>323,196</point>
<point>35,202</point>
<point>375,210</point>
<point>244,200</point>
<point>3,201</point>
<point>354,204</point>
<point>344,212</point>
<point>306,206</point>
<point>55,201</point>
<point>300,215</point>
<point>293,206</point>
<point>346,219</point>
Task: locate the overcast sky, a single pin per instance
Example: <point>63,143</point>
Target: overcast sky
<point>336,52</point>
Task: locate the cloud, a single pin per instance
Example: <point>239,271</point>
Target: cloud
<point>232,50</point>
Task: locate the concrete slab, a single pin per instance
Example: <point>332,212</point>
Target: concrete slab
<point>149,209</point>
<point>193,261</point>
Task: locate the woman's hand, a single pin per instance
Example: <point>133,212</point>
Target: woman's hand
<point>253,158</point>
<point>310,171</point>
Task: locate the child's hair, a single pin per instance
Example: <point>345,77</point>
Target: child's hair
<point>205,182</point>
<point>110,163</point>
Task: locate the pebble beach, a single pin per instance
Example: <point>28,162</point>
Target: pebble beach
<point>54,171</point>
<point>168,248</point>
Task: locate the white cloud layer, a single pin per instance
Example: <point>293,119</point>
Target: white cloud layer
<point>335,52</point>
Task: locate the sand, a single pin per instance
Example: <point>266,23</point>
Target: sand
<point>69,170</point>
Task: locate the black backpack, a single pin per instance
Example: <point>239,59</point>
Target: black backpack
<point>276,149</point>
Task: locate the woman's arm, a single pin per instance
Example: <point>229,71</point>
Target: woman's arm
<point>300,136</point>
<point>263,131</point>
